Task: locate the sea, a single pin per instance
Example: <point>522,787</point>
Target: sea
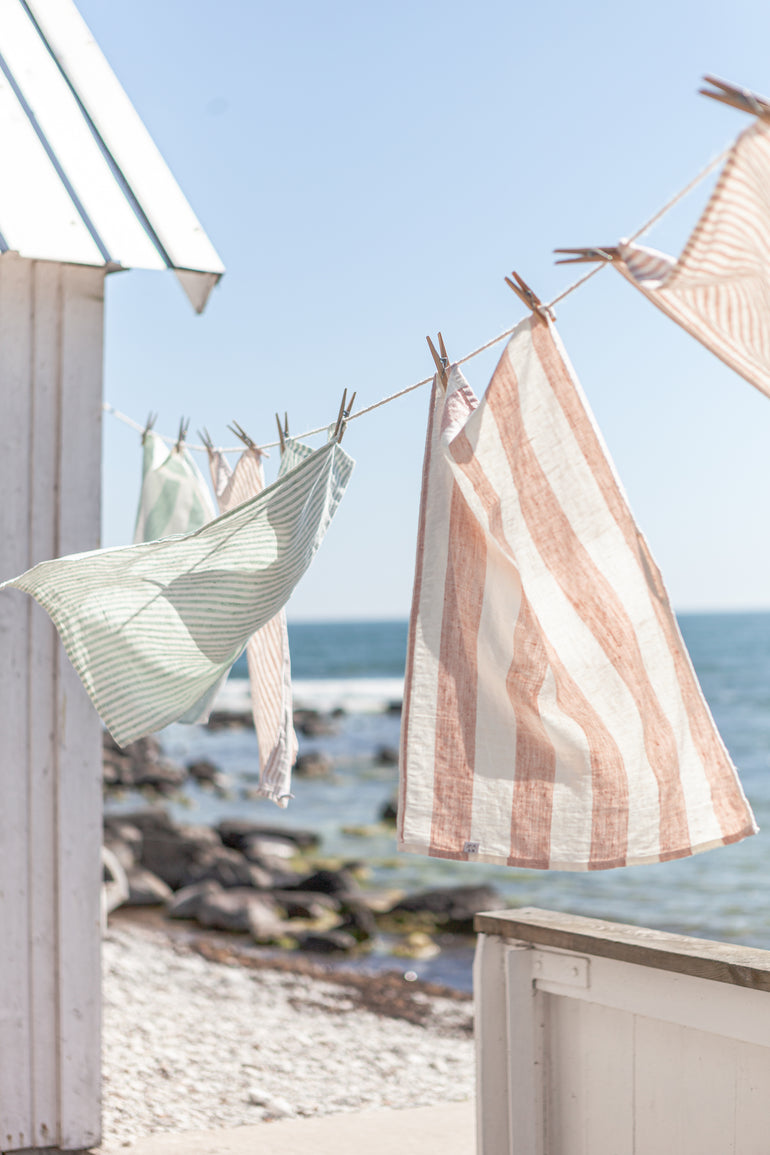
<point>356,669</point>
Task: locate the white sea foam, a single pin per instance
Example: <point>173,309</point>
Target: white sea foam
<point>354,695</point>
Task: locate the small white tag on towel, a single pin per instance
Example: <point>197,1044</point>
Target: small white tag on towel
<point>471,847</point>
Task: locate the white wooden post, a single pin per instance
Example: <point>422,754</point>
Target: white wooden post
<point>51,325</point>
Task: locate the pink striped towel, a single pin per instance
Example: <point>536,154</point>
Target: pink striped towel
<point>552,718</point>
<point>719,289</point>
<point>267,651</point>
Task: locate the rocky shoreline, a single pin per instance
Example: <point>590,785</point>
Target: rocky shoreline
<point>267,884</point>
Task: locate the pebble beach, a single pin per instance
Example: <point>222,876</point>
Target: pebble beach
<point>196,1037</point>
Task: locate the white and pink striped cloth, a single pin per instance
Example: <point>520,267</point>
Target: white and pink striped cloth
<point>267,651</point>
<point>719,289</point>
<point>552,718</point>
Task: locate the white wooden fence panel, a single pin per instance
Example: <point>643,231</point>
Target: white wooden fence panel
<point>654,1044</point>
<point>50,821</point>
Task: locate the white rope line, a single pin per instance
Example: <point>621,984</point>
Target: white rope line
<point>469,356</point>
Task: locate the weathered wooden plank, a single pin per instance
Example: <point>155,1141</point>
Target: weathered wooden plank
<point>15,342</point>
<point>41,723</point>
<point>701,958</point>
<point>79,796</point>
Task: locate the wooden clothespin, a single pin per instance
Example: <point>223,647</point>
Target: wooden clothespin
<point>346,412</point>
<point>527,296</point>
<point>741,98</point>
<point>581,256</point>
<point>346,408</point>
<point>184,425</point>
<point>205,437</point>
<point>241,434</point>
<point>151,419</point>
<point>281,432</point>
<point>440,359</point>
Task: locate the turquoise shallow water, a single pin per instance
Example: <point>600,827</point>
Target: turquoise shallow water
<point>720,894</point>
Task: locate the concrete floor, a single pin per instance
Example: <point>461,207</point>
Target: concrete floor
<point>448,1129</point>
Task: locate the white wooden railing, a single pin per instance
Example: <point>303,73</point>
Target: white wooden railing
<point>597,1038</point>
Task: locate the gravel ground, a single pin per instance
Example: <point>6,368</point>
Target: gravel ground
<point>193,1040</point>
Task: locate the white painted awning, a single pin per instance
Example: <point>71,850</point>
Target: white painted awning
<point>82,181</point>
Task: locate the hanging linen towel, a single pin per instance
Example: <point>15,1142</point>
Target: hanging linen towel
<point>552,719</point>
<point>151,628</point>
<point>267,651</point>
<point>174,497</point>
<point>719,289</point>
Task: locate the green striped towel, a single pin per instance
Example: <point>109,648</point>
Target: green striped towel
<point>174,496</point>
<point>151,627</point>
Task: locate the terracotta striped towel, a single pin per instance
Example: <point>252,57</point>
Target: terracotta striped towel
<point>151,628</point>
<point>552,718</point>
<point>174,497</point>
<point>267,651</point>
<point>719,289</point>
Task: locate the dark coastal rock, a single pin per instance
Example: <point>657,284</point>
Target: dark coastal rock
<point>358,920</point>
<point>450,908</point>
<point>235,831</point>
<point>394,708</point>
<point>334,882</point>
<point>228,868</point>
<point>327,942</point>
<point>265,923</point>
<point>204,771</point>
<point>173,853</point>
<point>313,724</point>
<point>306,903</point>
<point>152,820</point>
<point>313,764</point>
<point>265,848</point>
<point>187,901</point>
<point>145,888</point>
<point>125,841</point>
<point>389,810</point>
<point>387,756</point>
<point>139,765</point>
<point>234,909</point>
<point>226,720</point>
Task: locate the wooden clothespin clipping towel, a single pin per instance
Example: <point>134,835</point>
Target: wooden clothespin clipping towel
<point>184,425</point>
<point>440,359</point>
<point>741,98</point>
<point>282,432</point>
<point>527,296</point>
<point>243,436</point>
<point>580,256</point>
<point>346,408</point>
<point>151,419</point>
<point>205,437</point>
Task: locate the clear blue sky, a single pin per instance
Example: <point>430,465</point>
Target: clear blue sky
<point>369,173</point>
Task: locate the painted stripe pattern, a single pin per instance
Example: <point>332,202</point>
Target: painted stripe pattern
<point>267,651</point>
<point>174,497</point>
<point>719,289</point>
<point>552,718</point>
<point>150,628</point>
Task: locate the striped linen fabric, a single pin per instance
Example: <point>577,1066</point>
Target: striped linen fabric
<point>552,718</point>
<point>719,289</point>
<point>174,497</point>
<point>150,628</point>
<point>267,651</point>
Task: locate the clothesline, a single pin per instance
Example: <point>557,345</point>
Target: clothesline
<point>648,224</point>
